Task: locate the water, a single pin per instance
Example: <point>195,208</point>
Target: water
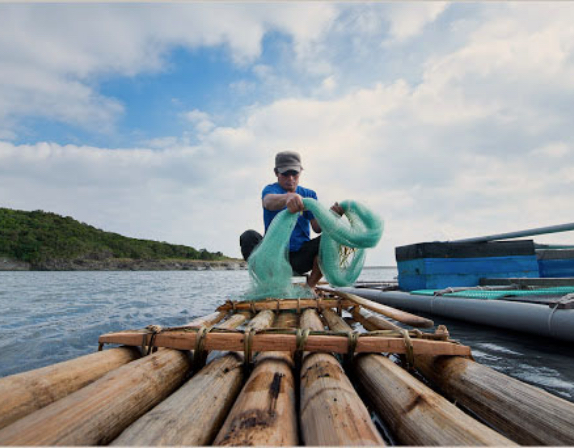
<point>49,317</point>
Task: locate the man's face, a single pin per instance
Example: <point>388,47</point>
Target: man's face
<point>288,180</point>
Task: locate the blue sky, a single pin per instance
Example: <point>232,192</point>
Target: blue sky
<point>161,121</point>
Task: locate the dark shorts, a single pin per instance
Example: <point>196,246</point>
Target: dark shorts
<point>301,261</point>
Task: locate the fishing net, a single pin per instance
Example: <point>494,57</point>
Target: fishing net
<point>341,252</point>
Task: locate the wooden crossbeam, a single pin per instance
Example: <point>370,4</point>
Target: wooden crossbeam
<point>285,304</point>
<point>182,340</point>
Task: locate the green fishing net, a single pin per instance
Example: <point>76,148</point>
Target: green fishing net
<point>341,252</point>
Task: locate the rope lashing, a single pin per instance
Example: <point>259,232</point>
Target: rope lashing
<point>409,352</point>
<point>248,347</point>
<point>300,343</point>
<point>199,354</point>
<point>353,339</point>
<point>155,330</point>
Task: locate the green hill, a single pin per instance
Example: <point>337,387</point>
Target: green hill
<point>38,236</point>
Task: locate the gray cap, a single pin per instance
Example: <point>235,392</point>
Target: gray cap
<point>287,161</point>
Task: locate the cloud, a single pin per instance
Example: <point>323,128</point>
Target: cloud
<point>52,57</point>
<point>200,120</point>
<point>408,19</point>
<point>479,144</point>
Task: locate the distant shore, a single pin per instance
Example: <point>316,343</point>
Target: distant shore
<point>127,264</point>
<point>122,264</point>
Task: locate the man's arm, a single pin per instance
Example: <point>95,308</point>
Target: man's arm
<point>292,201</point>
<point>336,208</point>
<point>316,226</point>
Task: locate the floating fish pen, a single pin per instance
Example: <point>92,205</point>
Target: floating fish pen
<point>336,370</point>
<point>515,285</point>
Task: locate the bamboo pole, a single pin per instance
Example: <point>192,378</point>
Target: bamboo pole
<point>331,411</point>
<point>372,322</point>
<point>97,413</point>
<point>415,414</point>
<point>194,413</point>
<point>263,320</point>
<point>234,321</point>
<point>210,319</point>
<point>398,315</point>
<point>27,392</point>
<point>182,340</point>
<point>264,413</point>
<point>335,322</point>
<point>286,320</point>
<point>526,414</point>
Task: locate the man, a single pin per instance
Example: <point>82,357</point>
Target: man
<point>286,193</point>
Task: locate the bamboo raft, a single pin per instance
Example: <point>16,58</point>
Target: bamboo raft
<point>281,372</point>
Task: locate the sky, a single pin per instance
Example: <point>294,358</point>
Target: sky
<point>161,121</point>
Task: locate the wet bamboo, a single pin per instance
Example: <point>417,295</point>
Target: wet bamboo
<point>526,414</point>
<point>416,414</point>
<point>182,340</point>
<point>27,392</point>
<point>331,411</point>
<point>401,316</point>
<point>264,413</point>
<point>372,322</point>
<point>96,414</point>
<point>194,413</point>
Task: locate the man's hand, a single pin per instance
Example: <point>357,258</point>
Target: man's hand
<point>338,209</point>
<point>294,202</point>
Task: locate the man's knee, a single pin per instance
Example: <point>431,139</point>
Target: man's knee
<point>248,241</point>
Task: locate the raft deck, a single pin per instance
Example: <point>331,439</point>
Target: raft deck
<point>279,372</point>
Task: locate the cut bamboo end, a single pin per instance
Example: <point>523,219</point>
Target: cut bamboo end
<point>415,414</point>
<point>96,414</point>
<point>264,414</point>
<point>27,392</point>
<point>526,414</point>
<point>193,414</point>
<point>331,411</point>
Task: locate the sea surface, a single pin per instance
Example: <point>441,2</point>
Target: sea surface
<point>49,317</point>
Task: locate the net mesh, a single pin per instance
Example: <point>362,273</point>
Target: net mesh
<point>341,253</point>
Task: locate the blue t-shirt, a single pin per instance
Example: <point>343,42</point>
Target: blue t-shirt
<point>302,231</point>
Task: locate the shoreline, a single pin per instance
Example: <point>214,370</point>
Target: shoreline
<point>126,264</point>
<point>122,264</point>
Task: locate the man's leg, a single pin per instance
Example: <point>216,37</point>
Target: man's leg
<point>248,241</point>
<point>306,259</point>
<point>315,274</point>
